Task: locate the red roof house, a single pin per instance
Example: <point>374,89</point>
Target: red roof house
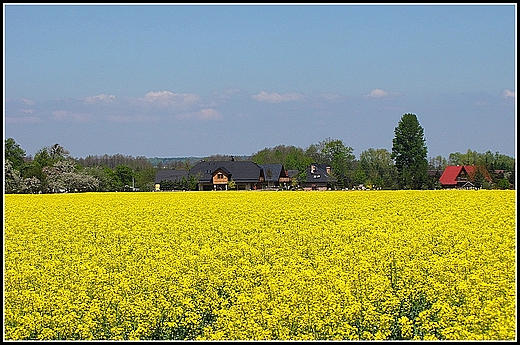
<point>461,176</point>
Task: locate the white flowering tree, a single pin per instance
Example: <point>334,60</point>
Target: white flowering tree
<point>15,183</point>
<point>63,177</point>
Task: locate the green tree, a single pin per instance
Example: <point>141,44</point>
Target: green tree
<point>124,177</point>
<point>144,178</point>
<point>14,153</point>
<point>360,176</point>
<point>167,185</point>
<point>378,167</point>
<point>193,181</point>
<point>503,184</point>
<point>438,163</point>
<point>409,152</point>
<point>479,178</point>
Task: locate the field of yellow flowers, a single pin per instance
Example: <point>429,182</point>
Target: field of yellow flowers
<point>246,265</point>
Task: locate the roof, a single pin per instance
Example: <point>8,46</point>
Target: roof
<point>277,171</point>
<point>170,175</point>
<point>319,175</point>
<point>292,173</point>
<point>450,174</point>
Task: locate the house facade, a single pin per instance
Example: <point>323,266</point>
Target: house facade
<point>462,176</point>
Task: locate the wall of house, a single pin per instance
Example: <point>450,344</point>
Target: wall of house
<point>223,180</point>
<point>314,186</point>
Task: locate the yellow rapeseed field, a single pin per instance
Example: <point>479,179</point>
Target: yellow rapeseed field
<point>248,265</point>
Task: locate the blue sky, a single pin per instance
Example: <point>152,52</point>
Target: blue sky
<point>198,80</point>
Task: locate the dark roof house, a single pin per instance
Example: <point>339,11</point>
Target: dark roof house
<point>275,175</point>
<point>319,177</point>
<point>217,174</point>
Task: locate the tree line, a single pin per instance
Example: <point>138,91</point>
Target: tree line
<point>53,169</point>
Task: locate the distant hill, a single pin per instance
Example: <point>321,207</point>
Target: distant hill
<point>165,161</point>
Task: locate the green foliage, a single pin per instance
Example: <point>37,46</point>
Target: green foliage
<point>504,184</point>
<point>438,163</point>
<point>124,176</point>
<point>14,153</point>
<point>377,167</point>
<point>479,178</point>
<point>496,161</point>
<point>291,157</point>
<point>409,152</point>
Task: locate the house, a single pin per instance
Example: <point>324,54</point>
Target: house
<point>462,176</point>
<point>319,177</point>
<point>275,176</point>
<point>216,175</point>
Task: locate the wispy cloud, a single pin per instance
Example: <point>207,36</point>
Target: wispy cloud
<point>168,98</point>
<point>331,97</point>
<point>227,93</point>
<point>277,98</point>
<point>378,93</point>
<point>132,118</point>
<point>203,114</point>
<point>23,119</point>
<point>100,98</point>
<point>509,94</point>
<point>64,115</point>
<point>27,102</point>
<point>20,111</point>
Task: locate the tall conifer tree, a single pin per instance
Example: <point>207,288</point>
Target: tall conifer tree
<point>409,152</point>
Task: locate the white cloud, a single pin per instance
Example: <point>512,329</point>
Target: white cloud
<point>167,98</point>
<point>27,101</point>
<point>378,93</point>
<point>64,115</point>
<point>23,119</point>
<point>100,98</point>
<point>331,97</point>
<point>509,94</point>
<point>227,93</point>
<point>132,118</point>
<point>203,114</point>
<point>209,114</point>
<point>277,98</point>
